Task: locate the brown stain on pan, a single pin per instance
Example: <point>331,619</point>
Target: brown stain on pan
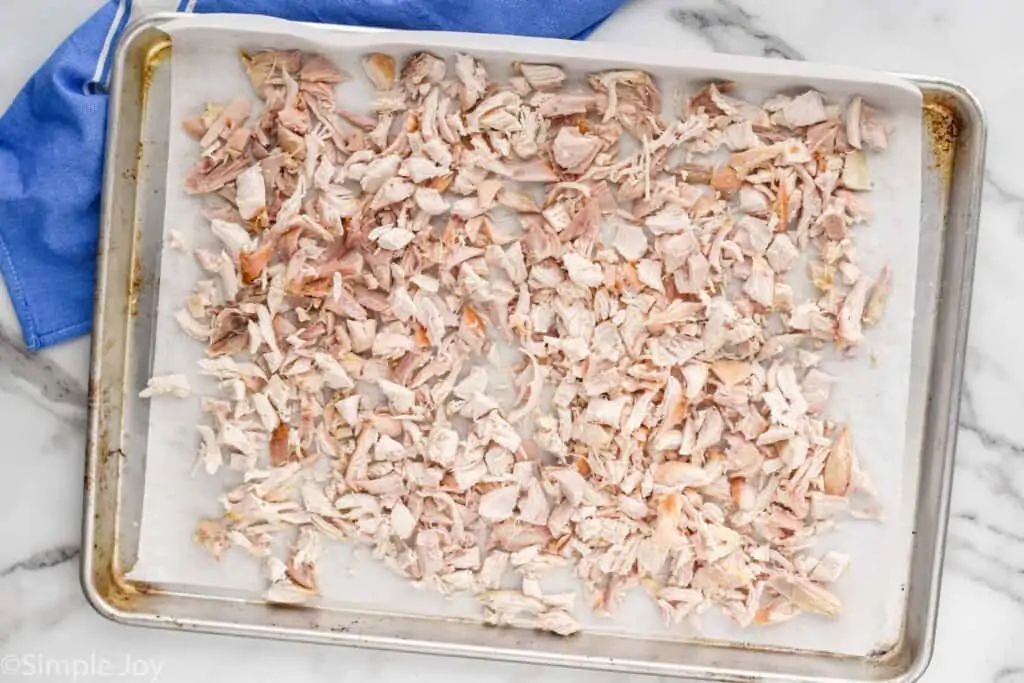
<point>154,57</point>
<point>135,285</point>
<point>942,129</point>
<point>158,53</point>
<point>126,595</point>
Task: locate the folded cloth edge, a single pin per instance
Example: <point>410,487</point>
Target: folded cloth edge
<point>69,76</point>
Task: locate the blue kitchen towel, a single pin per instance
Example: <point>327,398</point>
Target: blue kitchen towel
<point>51,138</point>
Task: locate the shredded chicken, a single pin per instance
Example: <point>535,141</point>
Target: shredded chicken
<point>418,353</point>
<point>167,385</point>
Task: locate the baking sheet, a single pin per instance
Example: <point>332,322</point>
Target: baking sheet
<point>872,391</point>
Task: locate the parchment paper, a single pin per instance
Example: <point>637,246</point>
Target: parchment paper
<point>872,391</point>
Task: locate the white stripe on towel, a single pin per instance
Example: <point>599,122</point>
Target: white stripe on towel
<point>108,42</point>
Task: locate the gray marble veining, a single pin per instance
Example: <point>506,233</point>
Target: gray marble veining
<point>725,22</point>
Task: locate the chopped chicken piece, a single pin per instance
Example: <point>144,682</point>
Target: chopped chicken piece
<point>234,236</point>
<point>164,385</point>
<point>852,311</point>
<point>760,286</point>
<point>830,567</point>
<point>874,131</point>
<point>875,305</point>
<point>630,241</point>
<point>581,271</point>
<point>422,71</point>
<point>251,193</point>
<point>681,474</point>
<point>473,78</point>
<point>380,69</point>
<point>606,411</point>
<point>430,201</point>
<point>806,595</point>
<point>498,504</point>
<point>803,110</point>
<point>542,76</point>
<point>557,621</point>
<point>191,326</point>
<point>781,253</point>
<point>400,398</point>
<point>855,171</point>
<point>574,151</point>
<point>392,239</point>
<point>839,465</point>
<point>853,122</point>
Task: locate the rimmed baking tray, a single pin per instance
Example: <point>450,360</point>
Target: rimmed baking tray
<point>132,217</point>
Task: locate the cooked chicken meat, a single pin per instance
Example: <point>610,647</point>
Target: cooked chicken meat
<point>471,330</point>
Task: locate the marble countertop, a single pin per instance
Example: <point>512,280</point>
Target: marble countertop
<point>45,620</point>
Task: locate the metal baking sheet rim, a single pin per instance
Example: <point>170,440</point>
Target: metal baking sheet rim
<point>956,130</point>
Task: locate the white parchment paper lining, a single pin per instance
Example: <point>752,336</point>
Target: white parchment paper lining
<point>872,391</point>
